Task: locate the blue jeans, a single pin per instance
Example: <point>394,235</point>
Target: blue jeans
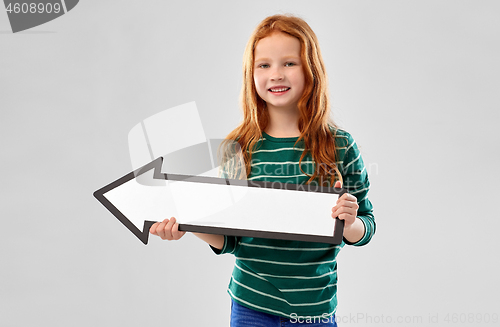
<point>244,317</point>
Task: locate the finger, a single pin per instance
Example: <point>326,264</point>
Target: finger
<point>342,198</point>
<point>168,229</point>
<point>160,230</point>
<point>346,203</point>
<point>348,197</point>
<point>345,210</point>
<point>176,233</point>
<point>347,218</point>
<point>153,227</point>
<point>339,211</point>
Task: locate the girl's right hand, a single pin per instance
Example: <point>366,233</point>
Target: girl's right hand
<point>167,230</point>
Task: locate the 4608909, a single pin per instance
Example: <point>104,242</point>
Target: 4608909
<point>471,318</point>
<point>34,8</point>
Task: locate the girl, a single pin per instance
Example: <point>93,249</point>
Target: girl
<point>287,136</point>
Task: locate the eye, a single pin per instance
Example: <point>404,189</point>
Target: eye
<point>289,64</point>
<point>263,66</point>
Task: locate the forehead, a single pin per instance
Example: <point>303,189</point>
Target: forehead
<point>277,44</point>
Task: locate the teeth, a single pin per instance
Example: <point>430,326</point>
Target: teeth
<point>283,89</point>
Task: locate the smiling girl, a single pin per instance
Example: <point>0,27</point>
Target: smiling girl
<point>287,130</point>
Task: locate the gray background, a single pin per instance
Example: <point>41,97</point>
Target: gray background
<point>415,82</point>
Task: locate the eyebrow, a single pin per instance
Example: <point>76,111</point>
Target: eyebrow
<point>268,59</point>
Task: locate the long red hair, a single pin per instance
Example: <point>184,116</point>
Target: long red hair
<point>315,124</point>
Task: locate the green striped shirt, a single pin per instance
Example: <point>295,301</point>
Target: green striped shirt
<point>294,278</point>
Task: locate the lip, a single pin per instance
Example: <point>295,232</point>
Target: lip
<point>279,87</point>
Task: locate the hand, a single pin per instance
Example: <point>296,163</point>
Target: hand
<point>346,208</point>
<point>167,230</point>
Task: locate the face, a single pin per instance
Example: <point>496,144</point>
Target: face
<point>278,72</point>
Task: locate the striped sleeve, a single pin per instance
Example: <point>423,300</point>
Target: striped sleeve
<point>356,182</point>
<point>230,244</point>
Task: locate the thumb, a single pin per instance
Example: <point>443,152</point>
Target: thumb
<point>338,184</point>
<point>152,229</point>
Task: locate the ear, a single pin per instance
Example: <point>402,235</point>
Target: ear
<point>338,184</point>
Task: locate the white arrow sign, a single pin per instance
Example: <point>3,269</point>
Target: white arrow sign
<point>223,206</point>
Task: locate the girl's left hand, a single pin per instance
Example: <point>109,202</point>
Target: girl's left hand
<point>346,208</point>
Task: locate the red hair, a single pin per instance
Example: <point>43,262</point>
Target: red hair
<point>314,124</point>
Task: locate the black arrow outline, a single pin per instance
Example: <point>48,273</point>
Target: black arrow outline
<point>156,164</point>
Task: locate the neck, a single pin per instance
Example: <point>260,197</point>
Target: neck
<point>283,122</point>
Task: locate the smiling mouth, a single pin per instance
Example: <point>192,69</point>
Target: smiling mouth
<point>279,89</point>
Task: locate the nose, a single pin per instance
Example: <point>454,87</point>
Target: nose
<point>276,74</point>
